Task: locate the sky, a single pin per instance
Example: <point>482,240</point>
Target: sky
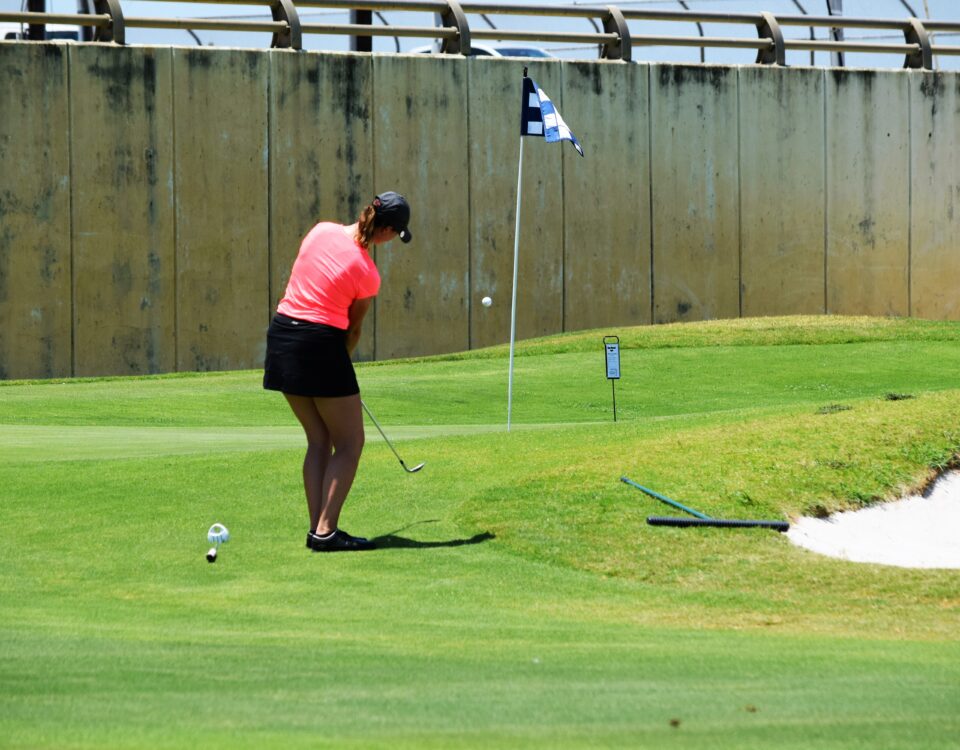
<point>945,10</point>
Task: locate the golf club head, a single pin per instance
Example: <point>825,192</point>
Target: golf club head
<point>415,469</point>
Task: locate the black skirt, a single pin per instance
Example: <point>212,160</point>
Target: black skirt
<point>308,359</point>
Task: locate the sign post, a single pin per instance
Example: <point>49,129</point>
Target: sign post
<point>611,346</point>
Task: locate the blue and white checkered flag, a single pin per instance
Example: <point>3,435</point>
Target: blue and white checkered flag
<point>538,116</point>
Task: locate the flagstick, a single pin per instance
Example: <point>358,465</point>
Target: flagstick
<point>513,304</point>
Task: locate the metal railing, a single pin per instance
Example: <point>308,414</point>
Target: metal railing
<point>615,41</point>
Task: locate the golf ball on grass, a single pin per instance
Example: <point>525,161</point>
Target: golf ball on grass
<point>486,301</point>
<point>217,535</point>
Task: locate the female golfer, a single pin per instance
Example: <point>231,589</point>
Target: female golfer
<point>309,343</point>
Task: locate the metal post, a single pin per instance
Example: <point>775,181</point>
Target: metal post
<point>915,33</point>
<point>361,43</point>
<point>703,50</point>
<point>292,38</point>
<point>116,32</point>
<point>86,32</point>
<point>614,22</point>
<point>768,28</point>
<point>36,31</point>
<point>813,36</point>
<point>455,17</point>
<point>516,263</point>
<point>611,351</point>
<point>835,8</point>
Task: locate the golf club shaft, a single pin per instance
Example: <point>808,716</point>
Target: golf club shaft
<point>386,439</point>
<point>733,523</point>
<point>667,500</point>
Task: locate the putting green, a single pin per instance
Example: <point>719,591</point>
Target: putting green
<point>39,443</point>
<point>517,598</point>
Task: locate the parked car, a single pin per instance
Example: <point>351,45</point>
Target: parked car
<point>483,50</point>
<point>523,52</point>
<point>13,31</point>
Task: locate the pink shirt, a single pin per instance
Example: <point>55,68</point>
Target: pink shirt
<point>330,272</point>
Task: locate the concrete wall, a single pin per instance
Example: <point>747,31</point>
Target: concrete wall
<point>868,191</point>
<point>321,153</point>
<point>221,178</point>
<point>420,150</point>
<point>607,221</point>
<point>36,298</point>
<point>122,232</point>
<point>935,195</point>
<point>152,199</point>
<point>782,191</point>
<point>695,177</point>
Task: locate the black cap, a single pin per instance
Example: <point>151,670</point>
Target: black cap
<point>394,212</point>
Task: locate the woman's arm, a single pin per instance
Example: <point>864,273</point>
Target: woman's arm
<point>356,314</point>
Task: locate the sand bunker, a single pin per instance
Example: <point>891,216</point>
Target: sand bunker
<point>916,532</point>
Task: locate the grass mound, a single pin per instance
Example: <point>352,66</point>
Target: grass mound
<point>518,598</point>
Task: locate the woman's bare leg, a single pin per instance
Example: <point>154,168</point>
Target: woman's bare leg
<point>344,422</point>
<point>318,453</point>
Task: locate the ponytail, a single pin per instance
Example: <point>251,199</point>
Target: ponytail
<point>365,227</point>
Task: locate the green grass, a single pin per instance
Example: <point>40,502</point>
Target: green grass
<point>518,599</point>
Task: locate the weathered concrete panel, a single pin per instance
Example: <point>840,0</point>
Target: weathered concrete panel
<point>494,142</point>
<point>822,216</point>
<point>696,199</point>
<point>35,283</point>
<point>606,196</point>
<point>782,191</point>
<point>221,174</point>
<point>420,133</point>
<point>935,155</point>
<point>321,155</point>
<point>868,192</point>
<point>123,223</point>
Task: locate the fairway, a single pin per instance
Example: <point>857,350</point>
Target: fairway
<point>517,598</point>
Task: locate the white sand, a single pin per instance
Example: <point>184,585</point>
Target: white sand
<point>916,532</point>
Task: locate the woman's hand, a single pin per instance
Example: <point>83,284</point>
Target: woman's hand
<point>356,313</point>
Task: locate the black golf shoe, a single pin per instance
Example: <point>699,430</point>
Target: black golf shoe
<point>311,535</point>
<point>339,541</point>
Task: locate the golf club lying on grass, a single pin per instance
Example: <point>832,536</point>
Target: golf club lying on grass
<point>374,420</point>
<point>730,523</point>
<point>701,519</point>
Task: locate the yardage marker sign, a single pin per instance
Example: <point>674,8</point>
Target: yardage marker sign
<point>613,358</point>
<point>611,348</point>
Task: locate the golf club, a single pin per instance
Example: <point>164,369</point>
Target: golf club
<point>374,420</point>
